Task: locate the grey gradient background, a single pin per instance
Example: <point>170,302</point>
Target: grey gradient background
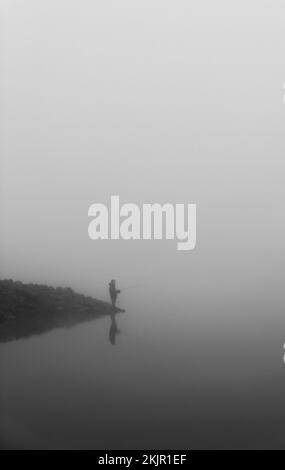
<point>156,101</point>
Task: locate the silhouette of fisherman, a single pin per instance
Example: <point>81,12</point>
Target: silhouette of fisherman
<point>114,330</point>
<point>113,292</point>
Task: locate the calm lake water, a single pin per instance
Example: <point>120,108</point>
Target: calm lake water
<point>184,376</point>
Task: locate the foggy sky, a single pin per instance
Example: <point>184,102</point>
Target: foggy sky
<point>156,101</point>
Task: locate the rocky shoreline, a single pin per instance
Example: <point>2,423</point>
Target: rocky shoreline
<point>32,309</point>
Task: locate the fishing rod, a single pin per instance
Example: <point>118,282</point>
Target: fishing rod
<point>131,287</point>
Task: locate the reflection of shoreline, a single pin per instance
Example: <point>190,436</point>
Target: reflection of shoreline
<point>31,309</point>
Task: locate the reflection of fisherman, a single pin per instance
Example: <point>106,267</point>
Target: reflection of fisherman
<point>113,330</point>
<point>113,292</point>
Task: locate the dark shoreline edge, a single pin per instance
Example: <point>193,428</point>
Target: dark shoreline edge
<point>33,309</point>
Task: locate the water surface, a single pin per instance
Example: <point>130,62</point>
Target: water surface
<point>174,376</point>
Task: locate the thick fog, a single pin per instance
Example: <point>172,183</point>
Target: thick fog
<point>154,101</point>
